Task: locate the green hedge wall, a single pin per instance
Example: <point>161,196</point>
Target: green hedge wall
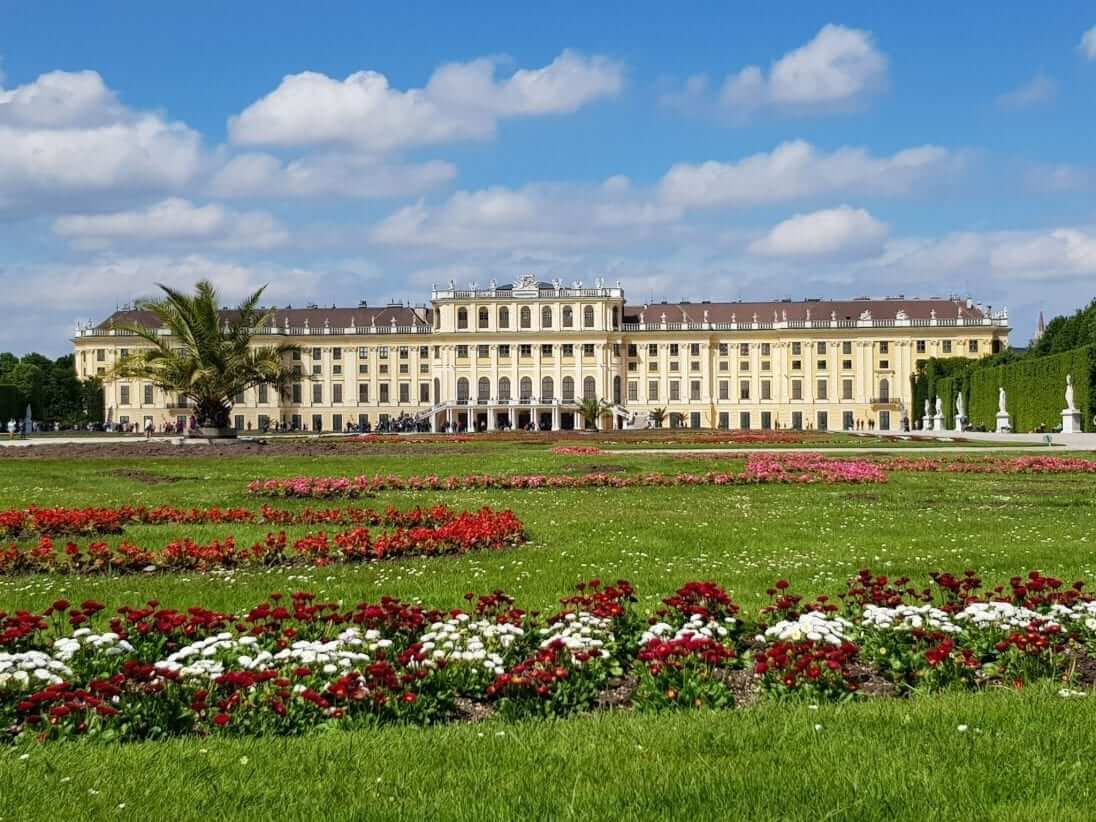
<point>13,405</point>
<point>937,377</point>
<point>1035,388</point>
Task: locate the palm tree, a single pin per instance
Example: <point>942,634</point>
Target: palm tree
<point>592,409</point>
<point>659,416</point>
<point>207,357</point>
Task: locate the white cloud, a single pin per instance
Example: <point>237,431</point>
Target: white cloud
<point>842,232</point>
<point>1039,89</point>
<point>536,216</point>
<point>174,220</point>
<point>796,170</point>
<point>1088,43</point>
<point>327,175</point>
<point>837,70</point>
<point>460,101</point>
<point>67,136</point>
<point>1062,177</point>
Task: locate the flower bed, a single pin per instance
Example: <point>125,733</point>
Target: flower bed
<point>760,468</point>
<point>577,450</point>
<point>296,665</point>
<point>992,465</point>
<point>438,531</point>
<point>19,523</point>
<point>400,439</point>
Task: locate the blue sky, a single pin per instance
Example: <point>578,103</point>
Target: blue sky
<point>720,151</point>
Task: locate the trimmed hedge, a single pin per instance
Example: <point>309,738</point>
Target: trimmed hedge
<point>1036,390</point>
<point>935,377</point>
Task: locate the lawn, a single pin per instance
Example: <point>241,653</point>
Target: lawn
<point>1022,754</point>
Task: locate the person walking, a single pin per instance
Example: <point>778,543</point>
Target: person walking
<point>148,428</point>
<point>12,426</point>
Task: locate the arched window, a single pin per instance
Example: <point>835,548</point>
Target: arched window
<point>504,317</point>
<point>884,389</point>
<point>546,317</point>
<point>504,389</point>
<point>616,390</point>
<point>589,389</point>
<point>526,317</point>
<point>462,318</point>
<point>483,318</point>
<point>483,390</point>
<point>462,390</point>
<point>588,317</point>
<point>568,317</point>
<point>568,389</point>
<point>547,392</point>
<point>437,390</point>
<point>526,387</point>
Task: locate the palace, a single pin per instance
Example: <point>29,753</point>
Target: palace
<point>508,355</point>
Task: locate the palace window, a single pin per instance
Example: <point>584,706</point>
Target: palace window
<point>336,393</point>
<point>633,391</point>
<point>504,389</point>
<point>547,389</point>
<point>675,390</point>
<point>652,349</point>
<point>589,389</point>
<point>821,390</point>
<point>483,389</point>
<point>568,389</point>
<point>504,350</point>
<point>525,350</point>
<point>405,392</point>
<point>462,318</point>
<point>765,349</point>
<point>462,352</point>
<point>484,318</point>
<point>588,317</point>
<point>947,346</point>
<point>797,389</point>
<point>972,346</point>
<point>384,392</point>
<point>673,349</point>
<point>317,392</point>
<point>123,395</point>
<point>526,388</point>
<point>821,346</point>
<point>336,353</point>
<point>743,349</point>
<point>884,347</point>
<point>148,394</point>
<point>766,389</point>
<point>568,317</point>
<point>424,392</point>
<point>846,389</point>
<point>546,317</point>
<point>846,347</point>
<point>724,389</point>
<point>797,348</point>
<point>483,351</point>
<point>920,347</point>
<point>587,349</point>
<point>694,390</point>
<point>363,392</point>
<point>546,350</point>
<point>743,389</point>
<point>652,390</point>
<point>568,350</point>
<point>526,317</point>
<point>504,317</point>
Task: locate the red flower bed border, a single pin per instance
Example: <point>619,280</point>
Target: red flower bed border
<point>452,534</point>
<point>59,521</point>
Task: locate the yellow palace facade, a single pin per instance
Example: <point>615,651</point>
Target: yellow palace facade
<point>521,354</point>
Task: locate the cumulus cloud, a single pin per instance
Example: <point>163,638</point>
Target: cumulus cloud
<point>65,138</point>
<point>1036,91</point>
<point>1088,43</point>
<point>174,220</point>
<point>540,216</point>
<point>797,170</point>
<point>461,101</point>
<point>837,70</point>
<point>257,175</point>
<point>842,232</point>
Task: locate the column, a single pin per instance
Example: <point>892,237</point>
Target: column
<point>490,417</point>
<point>555,418</point>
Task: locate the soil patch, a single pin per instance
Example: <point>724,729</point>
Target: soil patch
<point>609,468</point>
<point>144,477</point>
<point>617,693</point>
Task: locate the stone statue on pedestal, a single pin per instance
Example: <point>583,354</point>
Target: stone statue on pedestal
<point>1069,393</point>
<point>1002,400</point>
<point>960,405</point>
<point>939,406</point>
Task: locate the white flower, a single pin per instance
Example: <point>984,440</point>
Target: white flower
<point>815,626</point>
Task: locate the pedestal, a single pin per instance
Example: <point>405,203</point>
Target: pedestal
<point>938,423</point>
<point>1003,424</point>
<point>1071,421</point>
<point>960,424</point>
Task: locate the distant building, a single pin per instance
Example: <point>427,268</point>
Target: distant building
<point>503,356</point>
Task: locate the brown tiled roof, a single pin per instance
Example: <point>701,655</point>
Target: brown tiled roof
<point>336,317</point>
<point>916,309</point>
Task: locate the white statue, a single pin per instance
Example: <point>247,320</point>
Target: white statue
<point>1002,399</point>
<point>1069,393</point>
<point>939,406</point>
<point>927,412</point>
<point>960,405</point>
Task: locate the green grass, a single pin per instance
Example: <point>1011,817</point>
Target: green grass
<point>1026,755</point>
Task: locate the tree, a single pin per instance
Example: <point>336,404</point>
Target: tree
<point>659,416</point>
<point>207,356</point>
<point>30,380</point>
<point>591,410</point>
